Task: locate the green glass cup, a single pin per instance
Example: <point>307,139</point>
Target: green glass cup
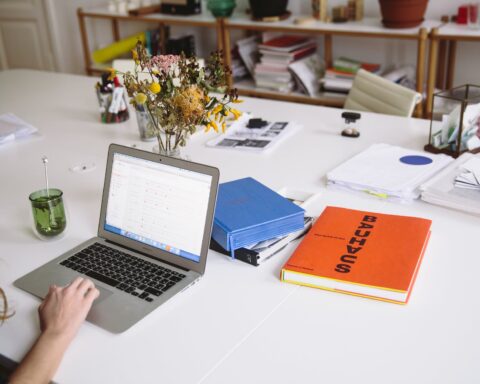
<point>49,218</point>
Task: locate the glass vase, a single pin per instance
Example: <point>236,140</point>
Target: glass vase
<point>171,145</point>
<point>145,124</point>
<point>176,152</point>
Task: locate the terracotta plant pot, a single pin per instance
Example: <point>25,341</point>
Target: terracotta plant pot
<point>268,8</point>
<point>402,13</point>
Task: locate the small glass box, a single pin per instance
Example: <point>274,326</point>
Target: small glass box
<point>455,124</point>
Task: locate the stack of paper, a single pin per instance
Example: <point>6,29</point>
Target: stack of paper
<point>444,189</point>
<point>248,212</point>
<point>12,127</point>
<point>470,177</point>
<point>388,172</point>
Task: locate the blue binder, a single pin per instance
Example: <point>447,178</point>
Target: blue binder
<point>248,212</point>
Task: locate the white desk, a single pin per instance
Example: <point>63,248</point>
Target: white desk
<point>240,324</point>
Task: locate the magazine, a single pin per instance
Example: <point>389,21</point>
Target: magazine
<point>306,72</point>
<point>248,52</point>
<point>257,140</point>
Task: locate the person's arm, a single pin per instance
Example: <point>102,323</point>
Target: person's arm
<point>61,314</point>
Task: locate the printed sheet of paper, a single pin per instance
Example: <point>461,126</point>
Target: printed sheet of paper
<point>256,140</point>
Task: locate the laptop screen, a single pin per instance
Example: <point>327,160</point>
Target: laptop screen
<point>158,204</point>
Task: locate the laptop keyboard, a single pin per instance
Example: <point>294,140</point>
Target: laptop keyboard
<point>128,273</point>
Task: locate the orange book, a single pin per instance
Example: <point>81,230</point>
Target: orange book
<point>368,254</point>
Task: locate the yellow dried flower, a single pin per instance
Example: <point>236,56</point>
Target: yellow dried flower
<point>214,125</point>
<point>217,109</point>
<point>155,87</point>
<point>236,113</point>
<point>140,98</point>
<point>224,126</point>
<point>238,101</point>
<point>189,103</point>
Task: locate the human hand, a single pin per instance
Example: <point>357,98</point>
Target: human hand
<point>65,308</point>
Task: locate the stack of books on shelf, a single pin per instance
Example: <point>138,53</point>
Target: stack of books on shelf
<point>247,214</point>
<point>340,77</point>
<point>457,186</point>
<point>388,172</point>
<point>272,72</point>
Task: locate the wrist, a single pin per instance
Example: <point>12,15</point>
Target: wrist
<point>62,339</point>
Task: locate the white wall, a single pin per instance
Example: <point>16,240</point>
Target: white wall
<point>387,52</point>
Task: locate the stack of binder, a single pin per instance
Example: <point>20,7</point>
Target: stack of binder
<point>388,172</point>
<point>248,212</point>
<point>443,189</point>
<point>258,253</point>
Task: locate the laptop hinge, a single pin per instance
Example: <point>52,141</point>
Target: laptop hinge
<point>147,255</point>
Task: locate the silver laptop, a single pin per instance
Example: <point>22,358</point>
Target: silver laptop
<point>153,237</point>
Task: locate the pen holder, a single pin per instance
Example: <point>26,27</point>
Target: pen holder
<point>112,100</point>
<point>455,123</point>
<point>49,217</point>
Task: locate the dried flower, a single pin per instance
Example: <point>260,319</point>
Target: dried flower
<point>176,94</point>
<point>155,87</point>
<point>163,62</point>
<point>140,98</point>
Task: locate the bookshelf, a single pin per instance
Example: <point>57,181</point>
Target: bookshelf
<point>442,57</point>
<point>116,19</point>
<point>366,28</point>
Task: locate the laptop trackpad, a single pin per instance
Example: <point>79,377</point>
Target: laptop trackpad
<point>104,293</point>
<point>63,281</point>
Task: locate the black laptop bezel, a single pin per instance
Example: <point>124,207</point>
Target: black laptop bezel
<point>156,253</point>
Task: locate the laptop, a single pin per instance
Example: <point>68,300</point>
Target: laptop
<point>153,237</point>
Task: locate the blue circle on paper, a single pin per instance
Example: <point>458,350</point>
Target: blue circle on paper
<point>416,160</point>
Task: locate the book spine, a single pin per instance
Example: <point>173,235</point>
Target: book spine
<point>220,236</point>
<point>346,69</point>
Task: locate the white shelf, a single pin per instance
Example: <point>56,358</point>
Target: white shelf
<point>458,30</point>
<point>205,18</point>
<point>367,26</point>
<point>249,88</point>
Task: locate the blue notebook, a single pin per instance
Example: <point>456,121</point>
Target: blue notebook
<point>248,212</point>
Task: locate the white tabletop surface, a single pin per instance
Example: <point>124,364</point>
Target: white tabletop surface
<point>240,324</point>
